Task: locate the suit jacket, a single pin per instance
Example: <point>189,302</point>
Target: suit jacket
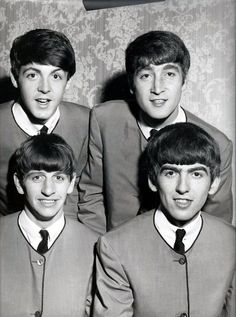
<point>139,274</point>
<point>55,284</point>
<point>109,190</point>
<point>72,126</point>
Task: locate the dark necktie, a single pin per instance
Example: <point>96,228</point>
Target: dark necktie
<point>43,245</point>
<point>179,246</point>
<point>43,130</point>
<point>152,132</point>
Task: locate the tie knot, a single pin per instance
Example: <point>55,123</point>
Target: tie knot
<point>43,130</point>
<point>44,234</point>
<point>153,132</point>
<point>180,233</point>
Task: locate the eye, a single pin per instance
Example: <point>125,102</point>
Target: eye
<point>57,76</point>
<point>170,74</point>
<point>144,75</point>
<point>169,173</point>
<point>31,75</point>
<point>36,178</point>
<point>60,178</point>
<point>198,174</point>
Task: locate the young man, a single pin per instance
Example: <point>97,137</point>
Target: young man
<point>42,63</point>
<point>175,260</point>
<point>46,259</point>
<point>157,64</point>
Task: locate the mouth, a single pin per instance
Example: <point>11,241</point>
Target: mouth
<point>158,102</point>
<point>43,101</point>
<point>48,202</point>
<point>183,202</point>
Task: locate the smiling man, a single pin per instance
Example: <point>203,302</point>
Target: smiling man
<point>174,260</point>
<point>42,63</point>
<point>46,263</point>
<point>157,64</point>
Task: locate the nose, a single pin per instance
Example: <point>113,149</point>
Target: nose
<point>44,85</point>
<point>48,187</point>
<point>157,85</point>
<point>182,186</point>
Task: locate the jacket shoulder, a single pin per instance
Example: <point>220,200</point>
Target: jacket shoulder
<point>5,109</point>
<point>71,108</point>
<point>216,225</point>
<point>218,135</point>
<point>132,230</point>
<point>115,110</point>
<point>81,230</point>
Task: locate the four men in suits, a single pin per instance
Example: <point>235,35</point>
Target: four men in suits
<point>113,189</point>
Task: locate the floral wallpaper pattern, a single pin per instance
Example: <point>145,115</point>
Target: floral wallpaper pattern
<point>100,37</point>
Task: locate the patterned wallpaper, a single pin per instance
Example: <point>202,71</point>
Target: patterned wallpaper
<point>100,37</point>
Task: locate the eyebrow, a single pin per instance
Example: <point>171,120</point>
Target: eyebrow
<point>190,170</point>
<point>171,66</point>
<point>39,71</point>
<point>168,66</point>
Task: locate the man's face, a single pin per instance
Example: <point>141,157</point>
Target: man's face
<point>41,89</point>
<point>183,190</point>
<point>45,194</point>
<point>158,90</point>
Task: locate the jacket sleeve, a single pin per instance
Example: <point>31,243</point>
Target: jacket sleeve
<point>114,296</point>
<point>221,203</point>
<point>91,210</point>
<point>229,308</point>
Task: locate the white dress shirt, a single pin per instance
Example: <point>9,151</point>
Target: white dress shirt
<point>26,125</point>
<point>181,117</point>
<point>167,230</point>
<point>31,230</point>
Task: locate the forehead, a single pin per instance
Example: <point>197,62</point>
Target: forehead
<point>40,68</point>
<point>161,67</point>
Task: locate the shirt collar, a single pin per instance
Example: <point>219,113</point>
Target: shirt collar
<point>181,117</point>
<point>31,230</point>
<point>167,230</point>
<point>26,125</point>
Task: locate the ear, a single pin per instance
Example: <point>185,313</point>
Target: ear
<point>18,184</point>
<point>13,80</point>
<point>152,186</point>
<point>214,186</point>
<point>72,184</point>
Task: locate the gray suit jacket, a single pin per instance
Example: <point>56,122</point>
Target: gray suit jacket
<point>109,190</point>
<point>140,275</point>
<point>57,283</point>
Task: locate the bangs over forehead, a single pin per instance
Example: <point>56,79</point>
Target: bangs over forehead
<point>45,152</point>
<point>182,144</point>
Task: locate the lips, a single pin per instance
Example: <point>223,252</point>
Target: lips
<point>43,101</point>
<point>48,202</point>
<point>158,102</point>
<point>183,202</point>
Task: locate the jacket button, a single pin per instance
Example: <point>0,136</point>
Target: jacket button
<point>40,262</point>
<point>37,314</point>
<point>182,261</point>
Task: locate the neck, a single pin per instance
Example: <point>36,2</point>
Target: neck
<point>159,123</point>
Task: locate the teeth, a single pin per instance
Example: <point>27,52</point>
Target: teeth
<point>43,100</point>
<point>159,101</point>
<point>47,202</point>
